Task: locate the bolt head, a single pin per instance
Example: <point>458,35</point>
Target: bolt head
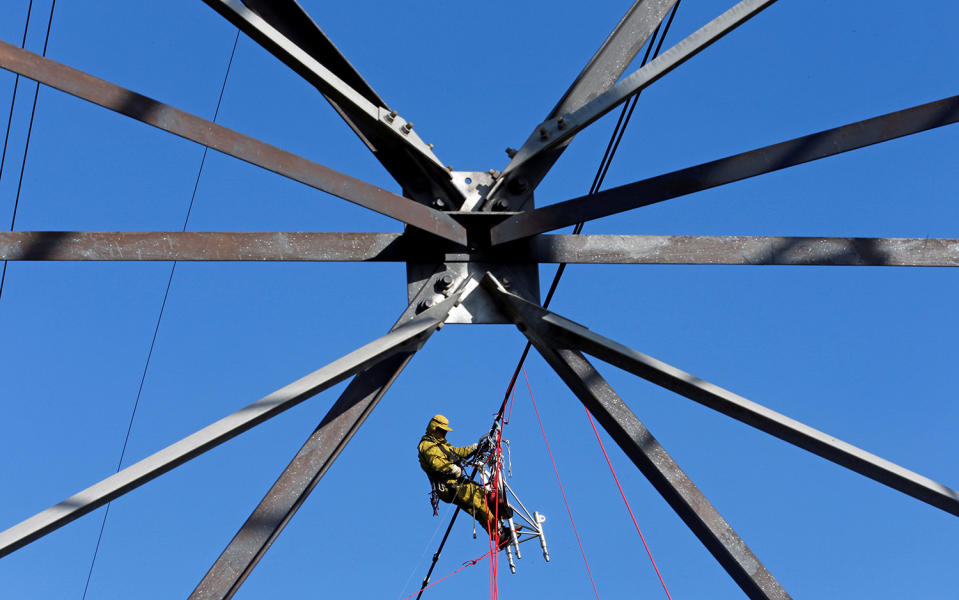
<point>501,204</point>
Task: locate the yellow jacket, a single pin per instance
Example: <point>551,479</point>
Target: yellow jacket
<point>437,457</point>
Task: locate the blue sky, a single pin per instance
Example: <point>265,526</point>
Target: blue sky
<point>867,355</point>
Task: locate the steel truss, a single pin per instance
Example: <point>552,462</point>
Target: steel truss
<point>459,245</point>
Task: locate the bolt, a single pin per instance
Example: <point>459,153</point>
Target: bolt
<point>445,282</point>
<point>511,152</point>
<point>500,204</point>
<point>430,146</point>
<point>449,168</point>
<point>426,304</point>
<point>494,173</point>
<point>543,134</point>
<point>439,203</point>
<point>391,116</point>
<point>408,127</point>
<point>561,123</point>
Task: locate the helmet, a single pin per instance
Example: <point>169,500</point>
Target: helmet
<point>439,422</point>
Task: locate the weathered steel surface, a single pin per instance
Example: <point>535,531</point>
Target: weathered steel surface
<point>727,170</point>
<point>405,338</point>
<point>648,455</point>
<point>599,74</point>
<point>576,336</point>
<point>396,247</point>
<point>743,250</point>
<point>205,246</point>
<point>191,127</point>
<point>559,130</point>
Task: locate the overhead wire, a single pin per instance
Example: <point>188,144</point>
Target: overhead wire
<point>33,111</point>
<point>156,329</point>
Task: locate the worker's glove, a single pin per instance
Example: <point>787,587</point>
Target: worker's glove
<point>455,471</point>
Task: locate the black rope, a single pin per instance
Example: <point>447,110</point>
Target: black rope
<point>156,329</point>
<point>607,159</point>
<point>6,136</point>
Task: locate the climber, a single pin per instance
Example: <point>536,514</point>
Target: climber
<point>443,462</point>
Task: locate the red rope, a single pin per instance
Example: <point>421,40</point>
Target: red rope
<point>621,493</point>
<point>562,491</point>
<point>468,563</point>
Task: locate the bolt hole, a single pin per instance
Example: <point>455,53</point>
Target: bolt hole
<point>468,180</point>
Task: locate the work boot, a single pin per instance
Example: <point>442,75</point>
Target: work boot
<point>505,537</point>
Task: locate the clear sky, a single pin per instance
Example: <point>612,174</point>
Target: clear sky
<point>867,355</point>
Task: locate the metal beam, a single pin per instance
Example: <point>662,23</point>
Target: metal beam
<point>560,129</point>
<point>287,32</point>
<point>203,246</point>
<point>653,461</point>
<point>736,250</point>
<point>396,247</point>
<point>600,73</point>
<point>304,472</point>
<point>403,339</point>
<point>227,141</point>
<point>576,336</point>
<point>727,170</point>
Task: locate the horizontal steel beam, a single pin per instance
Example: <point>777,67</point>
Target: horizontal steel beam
<point>573,335</point>
<point>405,338</point>
<point>287,32</point>
<point>396,247</point>
<point>740,250</point>
<point>648,455</point>
<point>201,246</point>
<point>560,129</point>
<point>227,141</point>
<point>727,170</point>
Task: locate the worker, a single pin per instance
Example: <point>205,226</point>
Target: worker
<point>442,463</point>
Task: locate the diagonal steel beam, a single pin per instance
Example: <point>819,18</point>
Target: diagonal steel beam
<point>600,73</point>
<point>304,472</point>
<point>403,339</point>
<point>733,168</point>
<point>287,32</point>
<point>227,141</point>
<point>576,336</point>
<point>560,129</point>
<point>653,461</point>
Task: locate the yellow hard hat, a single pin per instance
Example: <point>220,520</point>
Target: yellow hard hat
<point>440,422</point>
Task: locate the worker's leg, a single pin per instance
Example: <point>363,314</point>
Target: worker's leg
<point>472,498</point>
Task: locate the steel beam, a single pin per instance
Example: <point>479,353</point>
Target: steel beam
<point>560,129</point>
<point>287,32</point>
<point>600,73</point>
<point>304,472</point>
<point>396,247</point>
<point>727,170</point>
<point>736,250</point>
<point>654,462</point>
<point>203,246</point>
<point>401,340</point>
<point>227,141</point>
<point>573,335</point>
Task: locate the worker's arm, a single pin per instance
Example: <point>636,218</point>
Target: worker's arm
<point>465,451</point>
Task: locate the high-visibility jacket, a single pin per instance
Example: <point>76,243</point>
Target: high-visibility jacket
<point>437,457</point>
